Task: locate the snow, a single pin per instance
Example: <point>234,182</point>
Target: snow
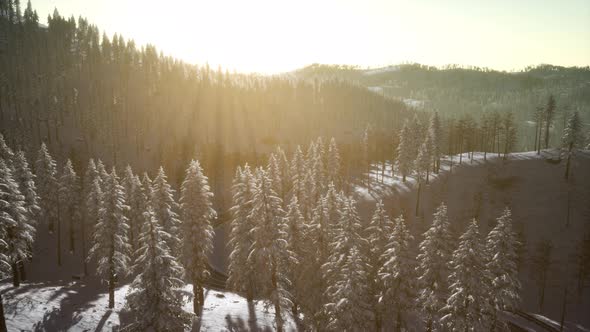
<point>382,70</point>
<point>82,306</point>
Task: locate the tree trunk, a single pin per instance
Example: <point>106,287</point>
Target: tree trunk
<point>58,237</point>
<point>398,321</point>
<point>277,304</point>
<point>377,322</point>
<point>418,197</point>
<point>83,243</point>
<point>112,290</point>
<point>15,275</point>
<point>2,319</point>
<point>22,271</point>
<point>567,165</point>
<point>563,309</point>
<point>196,298</point>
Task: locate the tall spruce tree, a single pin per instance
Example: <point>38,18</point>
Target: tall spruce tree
<point>405,156</point>
<point>269,251</point>
<point>69,195</point>
<point>110,248</point>
<point>433,269</point>
<point>572,138</point>
<point>242,276</point>
<point>296,244</point>
<point>398,273</point>
<point>46,173</point>
<point>334,166</point>
<point>156,295</point>
<point>166,209</point>
<point>468,306</point>
<point>19,234</point>
<point>379,233</point>
<point>501,245</point>
<point>196,206</point>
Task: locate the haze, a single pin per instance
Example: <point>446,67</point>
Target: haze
<point>275,36</point>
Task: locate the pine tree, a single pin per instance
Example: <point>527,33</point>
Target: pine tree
<point>26,183</point>
<point>110,246</point>
<point>298,171</point>
<point>242,277</point>
<point>435,134</point>
<point>138,204</point>
<point>422,167</point>
<point>274,172</point>
<point>93,202</point>
<point>398,273</point>
<point>46,173</point>
<point>549,117</point>
<point>334,167</point>
<point>165,208</point>
<point>147,186</point>
<point>404,152</point>
<point>156,295</point>
<point>501,246</point>
<point>346,274</point>
<point>572,138</point>
<point>6,152</point>
<point>468,306</point>
<point>433,267</point>
<point>19,234</point>
<point>69,193</point>
<point>269,251</point>
<point>285,173</point>
<point>296,244</point>
<point>366,156</point>
<point>319,168</point>
<point>197,213</point>
<point>379,232</point>
<point>102,172</point>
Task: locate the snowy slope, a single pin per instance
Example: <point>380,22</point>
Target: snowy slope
<point>82,306</point>
<point>532,186</point>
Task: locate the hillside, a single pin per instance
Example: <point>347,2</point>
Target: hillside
<point>533,187</point>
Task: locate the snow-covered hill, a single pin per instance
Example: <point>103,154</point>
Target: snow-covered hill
<point>533,186</point>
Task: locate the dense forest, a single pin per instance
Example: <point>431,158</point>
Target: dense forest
<point>456,91</point>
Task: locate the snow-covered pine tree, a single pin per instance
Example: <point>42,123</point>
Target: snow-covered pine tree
<point>242,276</point>
<point>422,167</point>
<point>138,204</point>
<point>319,166</point>
<point>379,232</point>
<point>334,167</point>
<point>156,296</point>
<point>501,247</point>
<point>102,171</point>
<point>270,254</point>
<point>6,152</point>
<point>310,194</point>
<point>46,173</point>
<point>69,194</point>
<point>416,136</point>
<point>572,138</point>
<point>166,209</point>
<point>366,156</point>
<point>346,274</point>
<point>110,247</point>
<point>147,187</point>
<point>398,273</point>
<point>93,202</point>
<point>296,244</point>
<point>26,183</point>
<point>468,306</point>
<point>404,152</point>
<point>196,209</point>
<point>274,172</point>
<point>436,251</point>
<point>298,170</point>
<point>435,133</point>
<point>285,173</point>
<point>127,181</point>
<point>19,234</point>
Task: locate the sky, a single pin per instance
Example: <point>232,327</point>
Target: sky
<point>273,36</point>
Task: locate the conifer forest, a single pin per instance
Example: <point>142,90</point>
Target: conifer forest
<point>141,190</point>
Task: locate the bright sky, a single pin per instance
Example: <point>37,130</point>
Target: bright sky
<point>271,36</point>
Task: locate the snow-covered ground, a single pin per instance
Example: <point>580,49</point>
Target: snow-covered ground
<point>81,305</point>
